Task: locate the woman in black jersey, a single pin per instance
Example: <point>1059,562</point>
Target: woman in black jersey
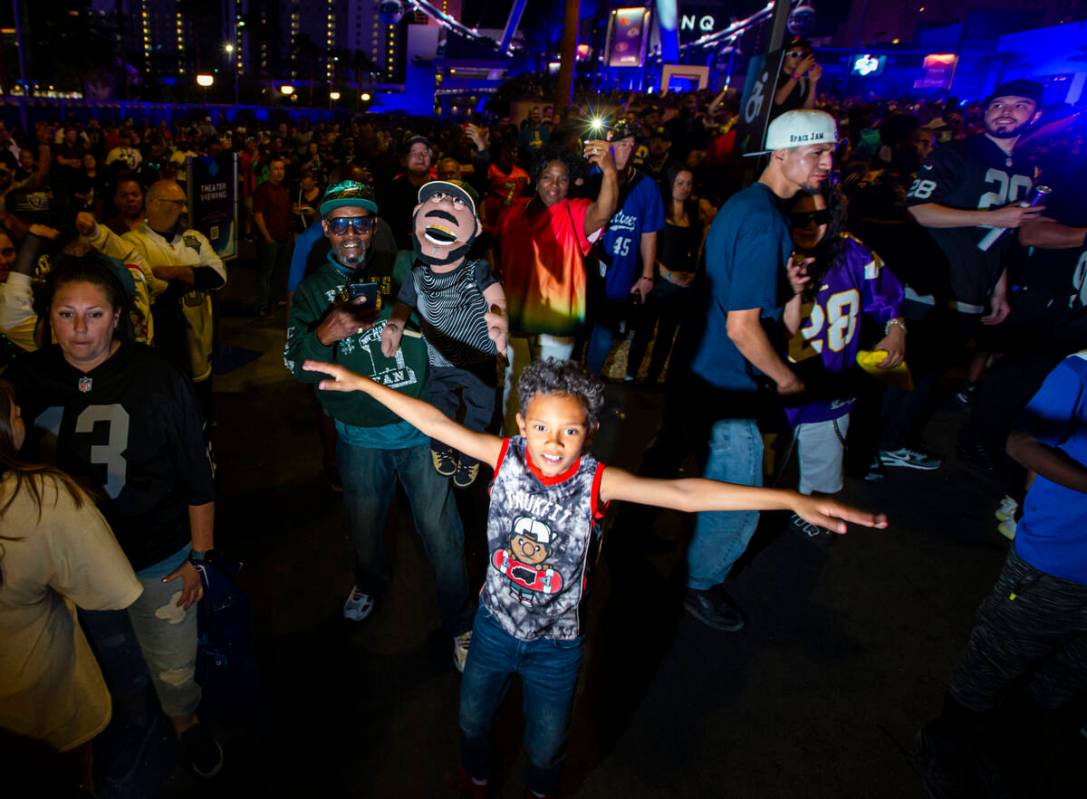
<point>126,425</point>
<point>679,246</point>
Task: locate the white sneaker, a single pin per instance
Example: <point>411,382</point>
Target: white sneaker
<point>1007,529</point>
<point>1006,509</point>
<point>358,605</point>
<point>460,650</point>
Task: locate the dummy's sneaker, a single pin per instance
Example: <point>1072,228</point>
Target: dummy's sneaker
<point>466,473</point>
<point>204,753</point>
<point>1006,509</point>
<point>1007,529</point>
<point>460,650</point>
<point>714,610</point>
<point>906,458</point>
<point>444,461</point>
<point>358,605</point>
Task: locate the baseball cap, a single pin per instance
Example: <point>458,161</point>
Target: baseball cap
<point>458,188</point>
<point>417,139</point>
<point>622,130</point>
<point>1020,87</point>
<point>799,128</point>
<point>348,193</point>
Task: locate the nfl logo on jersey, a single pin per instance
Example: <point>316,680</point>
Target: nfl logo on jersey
<point>85,384</point>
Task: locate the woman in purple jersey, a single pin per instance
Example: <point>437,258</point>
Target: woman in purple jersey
<point>836,280</point>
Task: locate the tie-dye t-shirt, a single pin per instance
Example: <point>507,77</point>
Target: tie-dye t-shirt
<point>542,257</point>
<point>540,532</point>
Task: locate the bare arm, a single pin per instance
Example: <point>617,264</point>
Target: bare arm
<point>598,214</point>
<point>745,331</point>
<point>697,494</point>
<point>497,321</point>
<point>1050,462</point>
<point>1050,235</point>
<point>201,526</point>
<point>648,246</point>
<point>935,215</point>
<point>421,415</point>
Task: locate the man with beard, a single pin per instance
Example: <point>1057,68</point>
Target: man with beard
<point>463,311</point>
<point>625,258</point>
<point>738,362</point>
<point>181,269</point>
<point>962,191</point>
<point>340,313</point>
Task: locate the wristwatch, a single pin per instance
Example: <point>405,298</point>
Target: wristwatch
<point>199,557</point>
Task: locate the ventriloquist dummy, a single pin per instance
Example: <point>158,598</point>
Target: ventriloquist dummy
<point>462,310</point>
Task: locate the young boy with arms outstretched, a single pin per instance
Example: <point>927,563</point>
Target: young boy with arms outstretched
<point>547,497</point>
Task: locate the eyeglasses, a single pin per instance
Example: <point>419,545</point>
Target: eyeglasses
<point>339,225</point>
<point>458,201</point>
<point>176,202</point>
<point>796,53</point>
<point>806,218</point>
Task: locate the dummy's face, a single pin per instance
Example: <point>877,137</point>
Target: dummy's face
<point>444,223</point>
<point>556,431</point>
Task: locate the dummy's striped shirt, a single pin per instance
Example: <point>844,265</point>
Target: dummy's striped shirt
<point>452,310</point>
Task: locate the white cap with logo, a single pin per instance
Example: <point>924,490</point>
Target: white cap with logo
<point>800,128</point>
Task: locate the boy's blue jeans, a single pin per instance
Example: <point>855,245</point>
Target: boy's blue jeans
<point>548,670</point>
<point>720,537</point>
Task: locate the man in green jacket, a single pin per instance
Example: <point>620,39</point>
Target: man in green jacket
<point>338,314</point>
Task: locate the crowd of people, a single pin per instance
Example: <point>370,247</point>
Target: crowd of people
<point>444,282</point>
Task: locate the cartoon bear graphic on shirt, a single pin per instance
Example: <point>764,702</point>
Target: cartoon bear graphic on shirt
<point>524,562</point>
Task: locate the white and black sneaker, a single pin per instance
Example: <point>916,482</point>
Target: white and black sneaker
<point>905,458</point>
<point>358,605</point>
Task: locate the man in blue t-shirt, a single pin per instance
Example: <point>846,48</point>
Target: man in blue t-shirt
<point>1031,630</point>
<point>626,255</point>
<point>740,354</point>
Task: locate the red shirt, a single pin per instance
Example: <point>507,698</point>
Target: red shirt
<point>274,203</point>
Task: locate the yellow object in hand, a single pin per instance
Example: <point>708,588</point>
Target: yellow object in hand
<point>898,376</point>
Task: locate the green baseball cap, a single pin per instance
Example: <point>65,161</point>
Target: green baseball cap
<point>348,193</point>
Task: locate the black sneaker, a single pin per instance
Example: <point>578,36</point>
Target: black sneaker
<point>203,751</point>
<point>466,473</point>
<point>714,609</point>
<point>444,462</point>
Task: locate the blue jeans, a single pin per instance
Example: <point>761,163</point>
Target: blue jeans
<point>167,636</point>
<point>369,481</point>
<point>720,537</point>
<point>548,670</point>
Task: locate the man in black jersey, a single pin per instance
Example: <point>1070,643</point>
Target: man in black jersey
<point>963,190</point>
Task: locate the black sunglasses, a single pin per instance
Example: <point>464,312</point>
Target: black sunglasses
<point>360,224</point>
<point>805,218</point>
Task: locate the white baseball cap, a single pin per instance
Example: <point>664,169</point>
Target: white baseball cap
<point>799,128</point>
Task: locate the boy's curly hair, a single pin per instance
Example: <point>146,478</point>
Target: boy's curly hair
<point>552,376</point>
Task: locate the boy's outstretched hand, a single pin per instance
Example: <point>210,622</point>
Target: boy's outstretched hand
<point>833,515</point>
<point>342,379</point>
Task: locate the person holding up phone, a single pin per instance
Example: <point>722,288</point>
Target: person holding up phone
<point>375,447</point>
